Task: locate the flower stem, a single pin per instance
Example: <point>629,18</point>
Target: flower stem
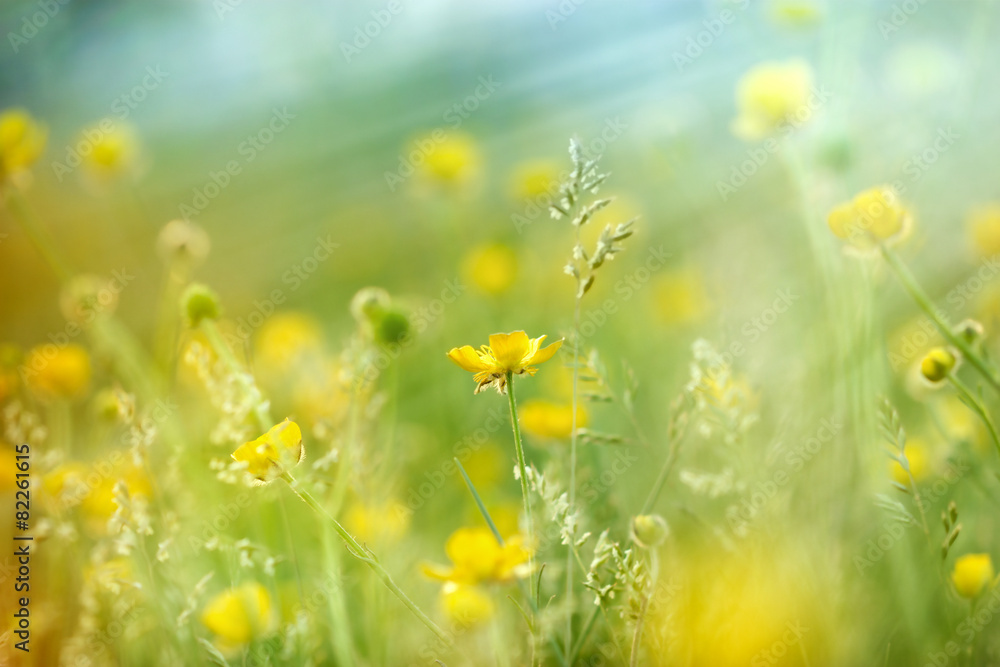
<point>261,406</point>
<point>917,293</point>
<point>519,448</point>
<point>977,406</point>
<point>366,556</point>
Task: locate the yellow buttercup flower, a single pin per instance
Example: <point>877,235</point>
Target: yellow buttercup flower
<point>58,371</point>
<point>466,606</point>
<point>874,216</point>
<point>918,456</point>
<point>507,354</point>
<point>550,421</point>
<point>274,453</point>
<point>773,96</point>
<point>984,229</point>
<point>450,158</point>
<point>22,141</point>
<point>114,149</point>
<point>491,268</point>
<point>477,557</point>
<point>972,575</point>
<point>239,615</point>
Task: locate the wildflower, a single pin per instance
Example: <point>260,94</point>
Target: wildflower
<point>58,371</point>
<point>274,453</point>
<point>550,421</point>
<point>453,160</point>
<point>938,364</point>
<point>649,530</point>
<point>384,520</point>
<point>198,303</point>
<point>239,615</point>
<point>491,268</point>
<point>98,504</point>
<point>770,96</point>
<point>183,241</point>
<point>918,460</point>
<point>466,606</point>
<point>286,339</point>
<point>114,149</point>
<point>984,229</point>
<point>369,303</point>
<point>392,328</point>
<point>534,179</point>
<point>872,217</point>
<point>681,297</point>
<point>972,575</point>
<point>477,557</point>
<point>22,141</point>
<point>507,354</point>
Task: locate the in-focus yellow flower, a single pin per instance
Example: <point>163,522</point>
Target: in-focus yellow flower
<point>984,229</point>
<point>274,453</point>
<point>551,421</point>
<point>114,149</point>
<point>477,557</point>
<point>874,216</point>
<point>466,606</point>
<point>22,141</point>
<point>491,268</point>
<point>938,364</point>
<point>773,96</point>
<point>512,353</point>
<point>681,297</point>
<point>972,575</point>
<point>534,179</point>
<point>239,615</point>
<point>918,455</point>
<point>58,371</point>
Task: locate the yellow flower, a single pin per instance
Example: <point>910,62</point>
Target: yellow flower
<point>649,530</point>
<point>492,268</point>
<point>872,217</point>
<point>773,96</point>
<point>239,615</point>
<point>972,575</point>
<point>511,353</point>
<point>477,557</point>
<point>448,158</point>
<point>548,420</point>
<point>114,149</point>
<point>796,13</point>
<point>98,505</point>
<point>58,371</point>
<point>274,453</point>
<point>984,228</point>
<point>22,141</point>
<point>466,606</point>
<point>937,365</point>
<point>375,522</point>
<point>285,339</point>
<point>534,179</point>
<point>917,454</point>
<point>681,297</point>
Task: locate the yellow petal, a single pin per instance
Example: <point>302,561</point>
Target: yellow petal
<point>467,359</point>
<point>510,349</point>
<point>540,355</point>
<point>437,572</point>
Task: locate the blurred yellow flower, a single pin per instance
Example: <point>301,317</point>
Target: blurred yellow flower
<point>874,216</point>
<point>114,149</point>
<point>239,615</point>
<point>274,453</point>
<point>796,13</point>
<point>22,141</point>
<point>450,159</point>
<point>466,606</point>
<point>477,557</point>
<point>548,420</point>
<point>918,455</point>
<point>773,96</point>
<point>491,268</point>
<point>534,179</point>
<point>680,296</point>
<point>98,504</point>
<point>383,521</point>
<point>973,574</point>
<point>984,229</point>
<point>58,371</point>
<point>507,353</point>
<point>286,339</point>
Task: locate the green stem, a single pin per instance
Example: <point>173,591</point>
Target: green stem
<point>584,634</point>
<point>977,406</point>
<point>661,479</point>
<point>366,556</point>
<point>261,406</point>
<point>519,448</point>
<point>38,236</point>
<point>917,293</point>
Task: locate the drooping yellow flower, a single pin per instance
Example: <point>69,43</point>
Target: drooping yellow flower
<point>973,574</point>
<point>874,216</point>
<point>918,456</point>
<point>274,453</point>
<point>773,96</point>
<point>58,371</point>
<point>477,557</point>
<point>549,420</point>
<point>114,149</point>
<point>239,615</point>
<point>466,606</point>
<point>512,353</point>
<point>491,268</point>
<point>22,141</point>
<point>984,229</point>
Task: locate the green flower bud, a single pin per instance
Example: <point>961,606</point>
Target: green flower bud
<point>649,530</point>
<point>198,303</point>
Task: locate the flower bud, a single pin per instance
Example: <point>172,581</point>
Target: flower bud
<point>649,530</point>
<point>183,241</point>
<point>369,304</point>
<point>938,365</point>
<point>198,303</point>
<point>392,328</point>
